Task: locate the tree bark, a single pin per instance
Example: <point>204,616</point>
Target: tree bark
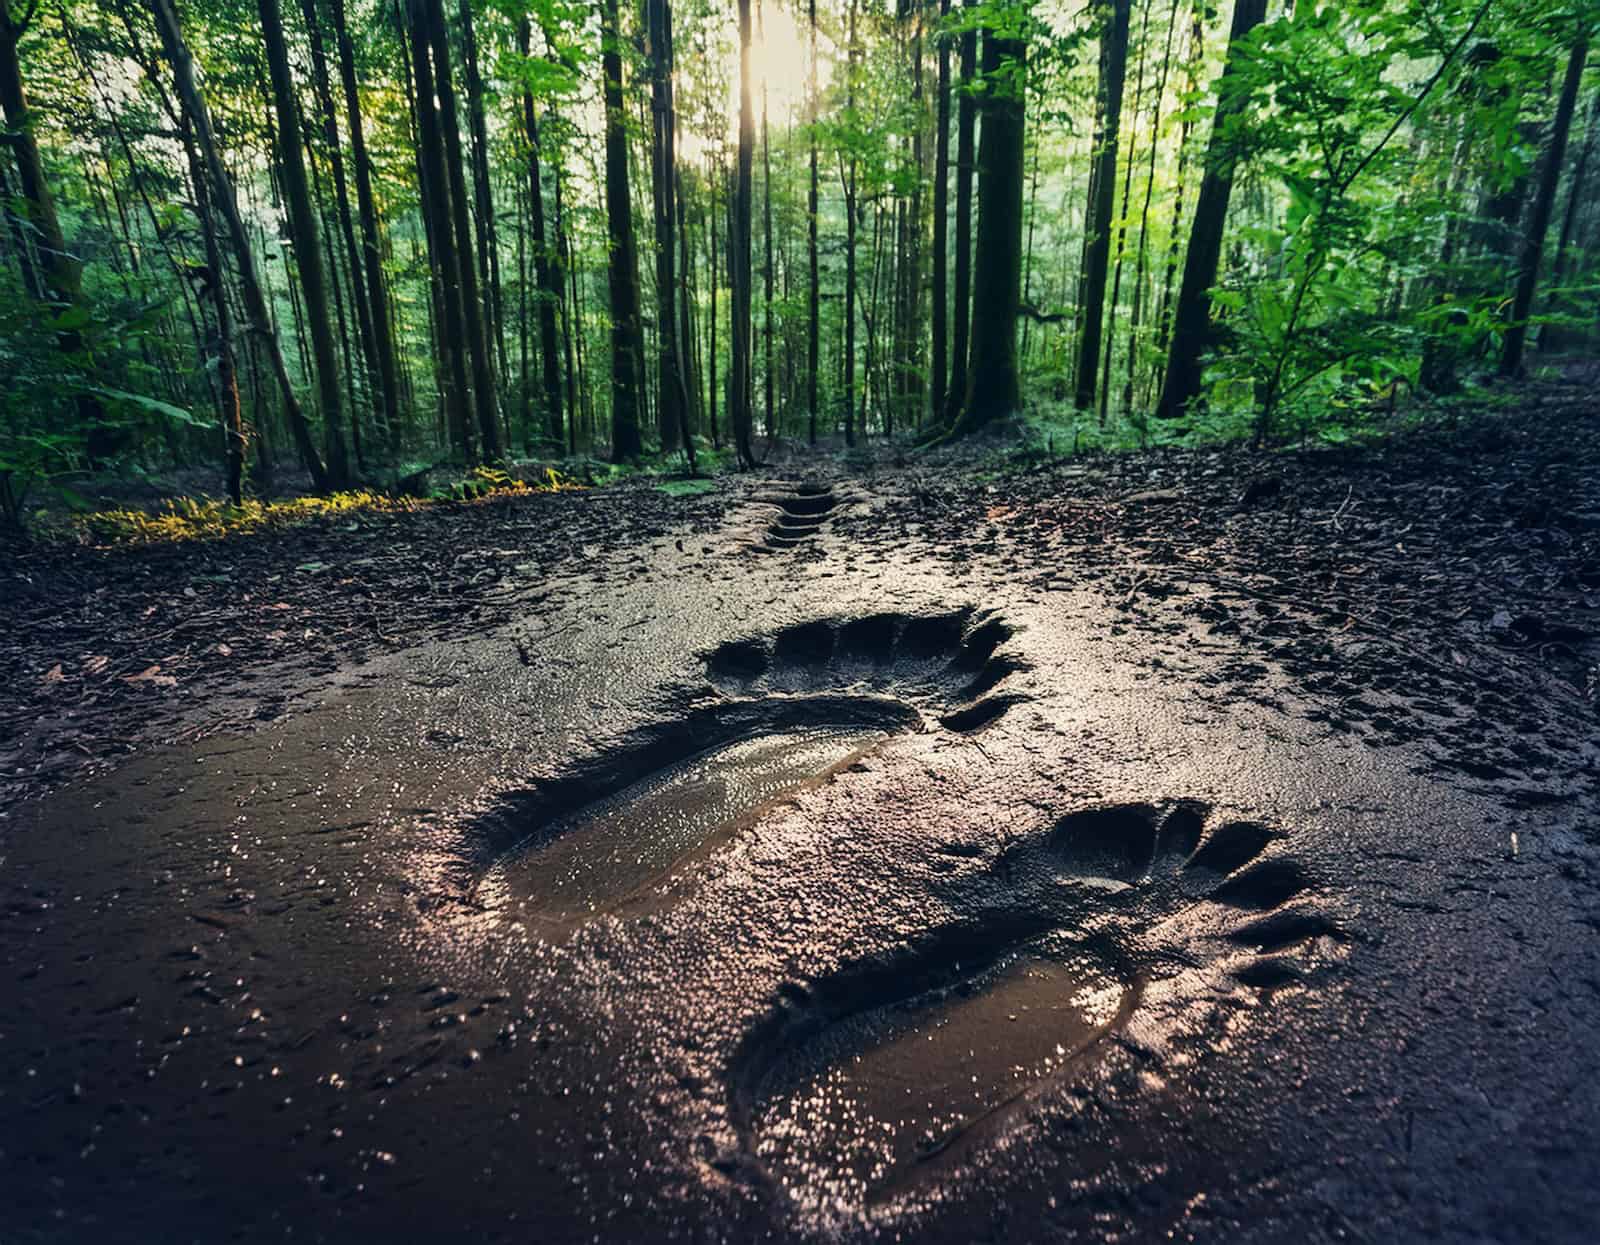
<point>1102,198</point>
<point>961,309</point>
<point>1543,205</point>
<point>940,363</point>
<point>488,232</point>
<point>627,344</point>
<point>446,260</point>
<point>850,248</point>
<point>341,194</point>
<point>546,270</point>
<point>814,291</point>
<point>227,203</point>
<point>672,407</point>
<point>383,344</point>
<point>740,369</point>
<point>1192,313</point>
<point>994,386</point>
<point>460,219</point>
<point>307,245</point>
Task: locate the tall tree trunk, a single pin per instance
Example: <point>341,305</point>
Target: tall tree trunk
<point>483,390</point>
<point>1192,314</point>
<point>233,435</point>
<point>226,201</point>
<point>850,218</point>
<point>307,246</point>
<point>740,370</point>
<point>627,343</point>
<point>1102,198</point>
<point>994,386</point>
<point>1543,205</point>
<point>488,232</point>
<point>814,291</point>
<point>57,272</point>
<point>59,268</point>
<point>547,270</point>
<point>940,363</point>
<point>1136,317</point>
<point>341,193</point>
<point>711,228</point>
<point>1122,219</point>
<point>387,377</point>
<point>446,260</point>
<point>672,407</point>
<point>766,213</point>
<point>961,310</point>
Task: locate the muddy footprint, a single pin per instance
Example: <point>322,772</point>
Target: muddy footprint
<point>781,712</point>
<point>801,516</point>
<point>868,1082</point>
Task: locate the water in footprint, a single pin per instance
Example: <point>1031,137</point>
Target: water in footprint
<point>855,1110</point>
<point>609,850</point>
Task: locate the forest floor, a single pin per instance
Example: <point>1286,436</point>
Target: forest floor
<point>1453,564</point>
<point>1185,845</point>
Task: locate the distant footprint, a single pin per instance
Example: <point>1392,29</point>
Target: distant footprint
<point>862,1084</point>
<point>801,516</point>
<point>781,712</point>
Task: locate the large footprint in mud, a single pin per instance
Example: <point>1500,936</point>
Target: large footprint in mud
<point>864,1084</point>
<point>781,712</point>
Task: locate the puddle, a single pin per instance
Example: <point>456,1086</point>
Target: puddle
<point>858,1108</point>
<point>590,863</point>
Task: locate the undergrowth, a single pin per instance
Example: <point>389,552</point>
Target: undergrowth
<point>205,518</point>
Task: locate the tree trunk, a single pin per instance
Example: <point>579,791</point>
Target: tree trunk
<point>547,271</point>
<point>1192,314</point>
<point>483,196</point>
<point>341,193</point>
<point>57,272</point>
<point>307,246</point>
<point>740,370</point>
<point>961,310</point>
<point>446,260</point>
<point>226,202</point>
<point>383,344</point>
<point>1102,198</point>
<point>850,249</point>
<point>672,407</point>
<point>1136,317</point>
<point>1543,205</point>
<point>994,387</point>
<point>940,363</point>
<point>627,344</point>
<point>766,213</point>
<point>460,219</point>
<point>1122,219</point>
<point>814,291</point>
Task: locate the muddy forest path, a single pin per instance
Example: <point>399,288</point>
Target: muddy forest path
<point>827,860</point>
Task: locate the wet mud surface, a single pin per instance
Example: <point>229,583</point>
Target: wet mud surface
<point>848,885</point>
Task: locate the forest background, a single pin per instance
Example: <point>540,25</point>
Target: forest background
<point>340,241</point>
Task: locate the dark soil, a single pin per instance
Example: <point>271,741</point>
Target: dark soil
<point>110,646</point>
<point>1441,585</point>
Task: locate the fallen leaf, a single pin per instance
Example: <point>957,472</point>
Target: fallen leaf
<point>224,651</point>
<point>150,674</point>
<point>95,664</point>
<point>54,675</point>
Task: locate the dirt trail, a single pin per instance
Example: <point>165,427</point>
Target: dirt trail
<point>1125,849</point>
